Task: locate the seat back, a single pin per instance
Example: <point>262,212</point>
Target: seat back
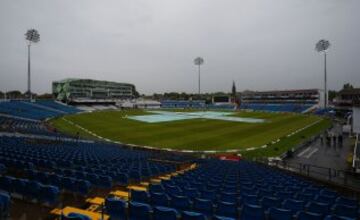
<point>283,214</point>
<point>252,212</point>
<point>164,213</point>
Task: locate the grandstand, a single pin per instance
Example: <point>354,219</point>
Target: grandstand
<point>116,181</point>
<point>282,100</point>
<point>83,91</point>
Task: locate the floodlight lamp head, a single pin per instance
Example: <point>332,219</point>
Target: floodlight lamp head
<point>32,36</point>
<point>198,61</point>
<point>322,45</point>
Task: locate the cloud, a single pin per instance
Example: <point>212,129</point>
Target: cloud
<point>261,44</point>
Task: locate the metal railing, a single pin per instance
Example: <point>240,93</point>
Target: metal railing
<point>345,178</point>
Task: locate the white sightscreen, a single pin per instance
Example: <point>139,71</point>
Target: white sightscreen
<point>356,120</point>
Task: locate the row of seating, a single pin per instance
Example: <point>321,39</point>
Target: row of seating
<point>285,107</point>
<point>31,190</point>
<point>218,184</point>
<point>58,106</point>
<point>5,204</point>
<point>120,209</point>
<point>11,124</point>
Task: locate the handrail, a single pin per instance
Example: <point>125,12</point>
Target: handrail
<point>345,178</point>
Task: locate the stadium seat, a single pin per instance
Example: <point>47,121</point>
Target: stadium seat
<point>216,217</point>
<point>116,208</point>
<point>294,205</point>
<point>203,206</point>
<point>305,197</point>
<point>49,194</point>
<point>139,211</point>
<point>325,199</point>
<point>346,211</point>
<point>83,187</point>
<point>32,189</point>
<point>5,204</point>
<point>249,199</point>
<point>316,207</point>
<point>269,202</point>
<point>309,216</point>
<point>139,196</point>
<point>6,183</point>
<point>227,209</point>
<point>347,201</point>
<point>280,214</point>
<point>186,215</point>
<point>156,188</point>
<point>122,179</point>
<point>159,199</point>
<point>336,217</point>
<point>164,213</point>
<point>327,192</point>
<point>75,216</point>
<point>181,203</point>
<point>252,212</point>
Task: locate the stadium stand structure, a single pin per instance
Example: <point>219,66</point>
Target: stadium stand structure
<point>183,104</point>
<point>112,181</point>
<point>282,101</point>
<point>39,110</point>
<point>227,190</point>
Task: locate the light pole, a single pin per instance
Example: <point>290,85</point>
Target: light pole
<point>322,46</point>
<point>32,36</point>
<point>199,61</point>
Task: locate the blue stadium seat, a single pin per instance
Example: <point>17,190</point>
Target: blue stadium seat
<point>327,192</point>
<point>203,206</point>
<point>229,197</point>
<point>280,214</point>
<point>227,209</point>
<point>249,199</point>
<point>325,199</point>
<point>164,213</point>
<point>252,212</point>
<point>346,211</point>
<point>6,183</point>
<point>347,201</point>
<point>139,196</point>
<point>32,189</point>
<point>309,216</point>
<point>316,207</point>
<point>159,199</point>
<point>270,202</point>
<point>156,188</point>
<point>116,208</point>
<point>187,215</point>
<point>5,204</point>
<point>181,203</point>
<point>75,216</point>
<point>83,187</point>
<point>294,205</point>
<point>336,217</point>
<point>216,217</point>
<point>49,194</point>
<point>305,197</point>
<point>19,186</point>
<point>139,211</point>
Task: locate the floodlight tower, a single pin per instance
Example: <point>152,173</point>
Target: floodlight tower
<point>32,36</point>
<point>199,61</point>
<point>322,46</point>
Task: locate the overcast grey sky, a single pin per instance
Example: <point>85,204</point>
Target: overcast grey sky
<point>261,44</point>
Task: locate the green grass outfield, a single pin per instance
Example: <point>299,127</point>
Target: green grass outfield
<point>198,134</point>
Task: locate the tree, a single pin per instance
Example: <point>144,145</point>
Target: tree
<point>348,86</point>
<point>15,94</point>
<point>332,94</point>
